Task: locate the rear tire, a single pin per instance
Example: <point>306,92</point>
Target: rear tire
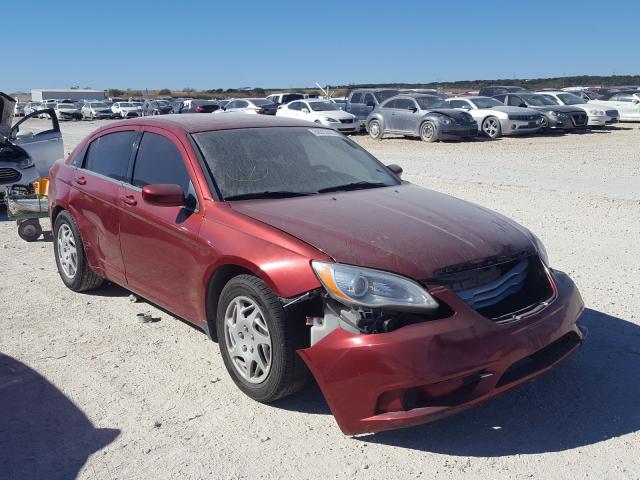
<point>285,372</point>
<point>70,249</point>
<point>375,130</point>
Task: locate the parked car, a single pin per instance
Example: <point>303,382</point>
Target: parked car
<point>156,107</point>
<point>626,103</point>
<point>260,106</point>
<point>199,106</point>
<point>361,102</point>
<point>495,119</point>
<point>27,150</point>
<point>494,90</point>
<point>18,110</point>
<point>419,115</point>
<point>426,91</point>
<point>597,116</point>
<point>92,110</point>
<point>126,110</point>
<point>68,111</point>
<point>554,116</point>
<point>31,107</point>
<point>283,98</point>
<point>321,111</point>
<point>404,303</point>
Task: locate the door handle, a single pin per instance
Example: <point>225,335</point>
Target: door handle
<point>129,200</point>
<point>80,180</point>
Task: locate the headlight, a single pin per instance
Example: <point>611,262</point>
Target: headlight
<point>329,119</point>
<point>542,252</point>
<point>446,120</point>
<point>26,163</point>
<point>370,288</point>
<point>596,112</point>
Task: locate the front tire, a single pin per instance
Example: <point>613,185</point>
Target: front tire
<point>71,260</point>
<point>428,132</point>
<point>491,127</point>
<point>375,129</point>
<point>257,345</point>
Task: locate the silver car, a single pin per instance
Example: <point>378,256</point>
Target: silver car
<point>29,148</point>
<point>93,110</point>
<point>419,115</point>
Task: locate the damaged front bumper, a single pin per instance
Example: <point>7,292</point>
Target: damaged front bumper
<point>424,371</point>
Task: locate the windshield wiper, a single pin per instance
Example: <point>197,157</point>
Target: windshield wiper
<point>353,186</point>
<point>268,194</point>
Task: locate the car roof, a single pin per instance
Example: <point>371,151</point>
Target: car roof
<point>195,122</point>
<point>415,95</point>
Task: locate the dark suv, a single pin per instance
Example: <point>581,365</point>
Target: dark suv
<point>362,101</point>
<point>500,90</point>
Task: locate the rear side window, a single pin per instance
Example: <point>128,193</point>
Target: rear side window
<point>356,98</point>
<point>109,154</point>
<point>159,161</point>
<point>368,99</point>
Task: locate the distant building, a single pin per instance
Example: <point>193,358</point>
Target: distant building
<point>41,94</point>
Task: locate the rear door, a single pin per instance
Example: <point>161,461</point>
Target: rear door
<point>163,255</point>
<point>40,138</point>
<point>93,199</point>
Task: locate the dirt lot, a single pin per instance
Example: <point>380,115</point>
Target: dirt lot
<point>97,394</point>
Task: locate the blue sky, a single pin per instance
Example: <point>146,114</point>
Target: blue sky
<point>207,44</point>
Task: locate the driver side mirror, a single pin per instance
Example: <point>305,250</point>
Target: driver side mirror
<point>163,195</point>
<point>395,169</point>
<point>305,110</point>
<point>413,109</point>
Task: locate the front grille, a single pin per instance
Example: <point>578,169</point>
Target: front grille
<point>9,175</point>
<point>579,119</point>
<point>348,120</point>
<point>501,290</point>
<point>540,360</point>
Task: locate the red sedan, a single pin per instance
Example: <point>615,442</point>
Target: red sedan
<point>299,252</point>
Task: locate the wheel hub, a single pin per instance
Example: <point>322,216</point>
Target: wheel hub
<point>67,252</point>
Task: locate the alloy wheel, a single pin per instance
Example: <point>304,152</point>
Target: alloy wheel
<point>247,339</point>
<point>490,127</point>
<point>67,252</point>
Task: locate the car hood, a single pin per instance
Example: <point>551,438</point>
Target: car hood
<point>557,108</point>
<point>7,105</point>
<point>450,112</point>
<point>339,114</point>
<point>406,229</point>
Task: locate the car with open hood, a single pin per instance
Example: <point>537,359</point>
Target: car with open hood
<point>67,111</point>
<point>418,115</point>
<point>30,147</point>
<point>301,254</point>
<point>495,119</point>
<point>561,117</point>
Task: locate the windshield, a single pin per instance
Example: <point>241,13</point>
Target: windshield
<point>162,103</point>
<point>431,102</point>
<point>382,95</point>
<point>290,97</point>
<point>98,105</point>
<point>486,102</point>
<point>258,102</point>
<point>287,161</point>
<point>323,106</point>
<point>538,100</point>
<point>124,104</point>
<point>66,105</point>
<point>570,99</point>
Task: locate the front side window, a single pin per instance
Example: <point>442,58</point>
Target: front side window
<point>552,98</point>
<point>356,97</point>
<point>405,104</point>
<point>159,161</point>
<point>109,154</point>
<point>459,104</point>
<point>287,161</point>
<point>622,97</point>
<point>486,102</point>
<point>390,104</point>
<point>368,99</point>
<point>428,102</point>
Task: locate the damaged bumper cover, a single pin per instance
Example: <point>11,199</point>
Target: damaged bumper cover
<point>425,371</point>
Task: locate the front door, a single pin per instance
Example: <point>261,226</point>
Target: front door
<point>40,138</point>
<point>162,252</point>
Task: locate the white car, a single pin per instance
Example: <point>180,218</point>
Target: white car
<point>126,109</point>
<point>627,103</point>
<point>597,116</point>
<point>321,111</point>
<point>260,106</point>
<point>67,111</point>
<point>31,107</point>
<point>495,119</point>
<point>29,148</point>
<point>92,110</point>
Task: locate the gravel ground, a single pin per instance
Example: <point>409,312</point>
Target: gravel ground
<point>95,393</point>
